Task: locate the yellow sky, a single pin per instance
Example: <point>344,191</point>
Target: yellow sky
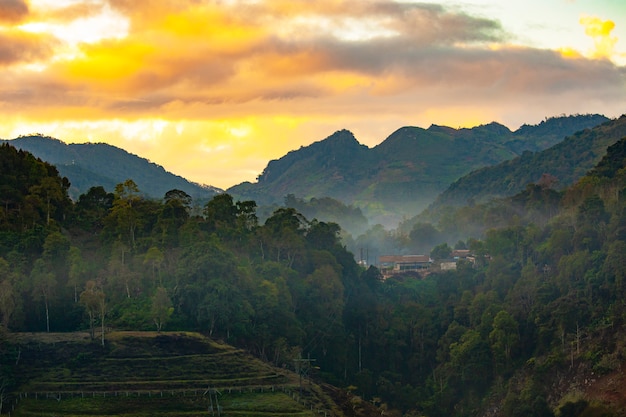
<point>212,90</point>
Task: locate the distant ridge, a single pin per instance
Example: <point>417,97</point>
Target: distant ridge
<point>92,164</point>
<point>406,172</point>
<point>567,161</point>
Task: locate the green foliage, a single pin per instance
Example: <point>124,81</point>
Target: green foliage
<point>566,161</point>
<point>441,251</point>
<point>542,290</point>
<point>90,165</point>
<point>405,173</point>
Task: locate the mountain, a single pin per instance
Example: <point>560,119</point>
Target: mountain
<point>564,162</point>
<point>404,173</point>
<point>92,164</point>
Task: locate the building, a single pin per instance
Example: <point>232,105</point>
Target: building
<point>397,264</point>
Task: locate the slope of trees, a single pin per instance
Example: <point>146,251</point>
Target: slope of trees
<point>566,161</point>
<point>546,291</point>
<point>98,164</point>
<point>404,173</point>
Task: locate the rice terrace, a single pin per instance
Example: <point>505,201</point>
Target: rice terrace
<point>154,374</point>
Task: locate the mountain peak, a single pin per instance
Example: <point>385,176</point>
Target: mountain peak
<point>336,148</point>
<point>341,137</point>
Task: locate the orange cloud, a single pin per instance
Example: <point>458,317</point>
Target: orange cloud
<point>66,14</point>
<point>17,46</point>
<point>213,89</point>
<point>13,11</point>
<point>600,31</point>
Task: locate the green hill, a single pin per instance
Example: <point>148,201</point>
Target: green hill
<point>88,165</point>
<point>146,373</point>
<point>405,173</point>
<point>566,161</point>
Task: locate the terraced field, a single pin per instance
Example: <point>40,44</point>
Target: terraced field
<point>150,374</point>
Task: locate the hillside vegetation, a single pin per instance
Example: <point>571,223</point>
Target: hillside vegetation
<point>147,373</point>
<point>566,162</point>
<point>88,165</point>
<point>403,174</point>
<point>531,324</point>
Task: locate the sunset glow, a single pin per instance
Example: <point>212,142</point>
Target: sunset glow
<point>213,90</point>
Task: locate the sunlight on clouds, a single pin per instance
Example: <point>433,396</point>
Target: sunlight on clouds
<point>108,63</point>
<point>600,31</point>
<point>217,152</point>
<point>210,26</point>
<point>106,25</point>
<point>213,89</point>
<point>570,53</point>
<point>352,29</point>
<point>89,29</point>
<point>74,131</point>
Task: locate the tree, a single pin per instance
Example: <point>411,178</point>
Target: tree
<point>119,272</point>
<point>283,233</point>
<point>441,251</point>
<point>321,311</point>
<point>221,212</point>
<point>424,236</point>
<point>52,191</point>
<point>504,337</point>
<point>323,236</point>
<point>179,201</point>
<point>43,285</point>
<point>102,310</point>
<point>154,258</point>
<point>471,358</point>
<point>246,216</point>
<point>173,214</point>
<point>77,270</point>
<point>92,207</point>
<point>7,294</point>
<point>123,214</point>
<point>90,299</point>
<point>161,308</point>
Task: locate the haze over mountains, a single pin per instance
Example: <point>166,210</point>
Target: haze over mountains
<point>396,179</point>
<point>405,173</point>
<point>531,324</point>
<point>566,162</point>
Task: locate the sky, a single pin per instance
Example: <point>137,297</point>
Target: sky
<point>213,90</point>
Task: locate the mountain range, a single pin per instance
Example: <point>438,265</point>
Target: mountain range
<point>394,180</point>
<point>93,164</point>
<point>406,172</point>
<point>564,162</point>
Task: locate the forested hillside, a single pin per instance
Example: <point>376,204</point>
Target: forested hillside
<point>98,164</point>
<point>404,174</point>
<point>524,327</point>
<point>566,162</point>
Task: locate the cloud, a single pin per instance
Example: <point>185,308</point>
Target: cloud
<point>192,58</point>
<point>251,80</point>
<point>21,47</point>
<point>600,31</point>
<point>13,11</point>
<point>61,12</point>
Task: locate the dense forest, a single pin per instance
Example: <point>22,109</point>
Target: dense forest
<point>544,291</point>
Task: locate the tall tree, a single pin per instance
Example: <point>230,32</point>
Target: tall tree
<point>161,308</point>
<point>504,337</point>
<point>77,270</point>
<point>90,299</point>
<point>43,286</point>
<point>7,294</point>
<point>123,214</point>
